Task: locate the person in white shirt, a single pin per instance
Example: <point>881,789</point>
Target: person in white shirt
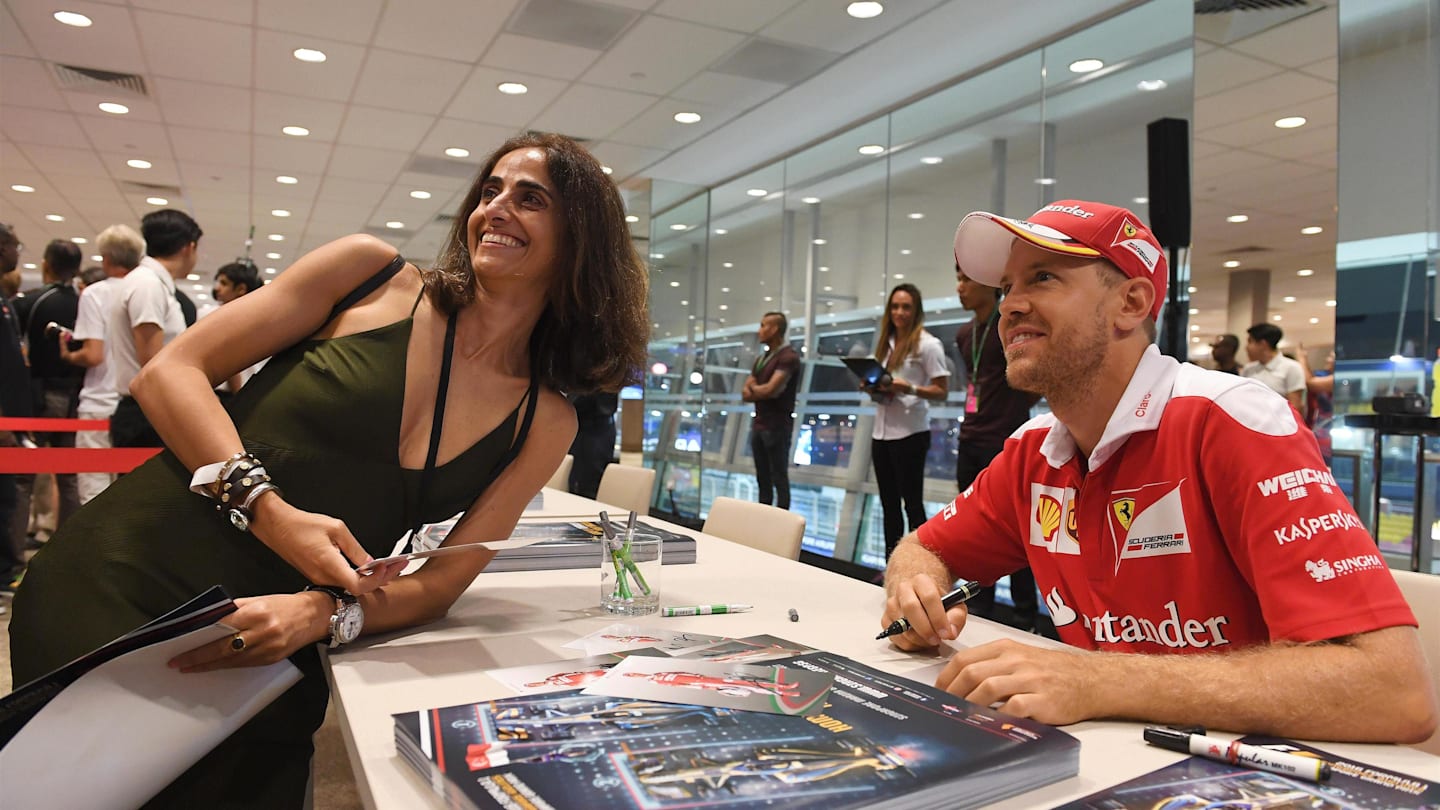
<point>147,316</point>
<point>915,360</point>
<point>1283,375</point>
<point>121,249</point>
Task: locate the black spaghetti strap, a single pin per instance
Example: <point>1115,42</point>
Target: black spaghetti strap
<point>370,285</point>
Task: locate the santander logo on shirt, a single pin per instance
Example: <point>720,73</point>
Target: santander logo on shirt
<point>1172,630</point>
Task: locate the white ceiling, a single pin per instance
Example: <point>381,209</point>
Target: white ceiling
<point>405,80</point>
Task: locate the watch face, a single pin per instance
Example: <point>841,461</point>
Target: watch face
<point>239,520</point>
<point>349,622</point>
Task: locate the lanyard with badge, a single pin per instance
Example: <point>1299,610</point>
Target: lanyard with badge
<point>972,389</point>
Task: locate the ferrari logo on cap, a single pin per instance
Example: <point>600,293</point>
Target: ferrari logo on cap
<point>1127,231</point>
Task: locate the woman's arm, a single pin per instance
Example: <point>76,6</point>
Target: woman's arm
<point>276,626</point>
<point>176,388</point>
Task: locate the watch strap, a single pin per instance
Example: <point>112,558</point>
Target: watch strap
<point>339,593</point>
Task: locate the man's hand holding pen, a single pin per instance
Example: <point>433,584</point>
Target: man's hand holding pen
<point>918,601</point>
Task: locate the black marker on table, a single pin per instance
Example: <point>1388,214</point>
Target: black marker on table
<point>961,594</point>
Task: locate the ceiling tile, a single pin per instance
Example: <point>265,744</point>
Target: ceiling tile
<point>199,176</point>
<point>747,16</point>
<point>480,139</point>
<point>189,103</point>
<point>235,11</point>
<point>108,44</point>
<point>625,159</point>
<point>12,40</point>
<point>592,112</point>
<point>286,155</point>
<point>359,162</point>
<point>539,57</point>
<point>87,104</point>
<point>112,134</point>
<point>28,83</point>
<point>345,20</point>
<point>1298,42</point>
<point>343,190</point>
<point>226,48</point>
<point>384,129</point>
<point>277,69</point>
<point>161,172</point>
<point>1304,142</point>
<point>824,24</point>
<point>450,29</point>
<point>402,81</point>
<point>221,147</point>
<point>656,55</point>
<point>44,127</point>
<point>726,91</point>
<point>308,185</point>
<point>1277,93</point>
<point>656,127</point>
<point>1327,69</point>
<point>274,112</point>
<point>1223,69</point>
<point>479,100</point>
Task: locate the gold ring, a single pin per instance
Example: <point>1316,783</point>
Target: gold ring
<point>237,643</point>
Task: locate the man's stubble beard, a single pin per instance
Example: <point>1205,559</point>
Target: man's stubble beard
<point>1067,371</point>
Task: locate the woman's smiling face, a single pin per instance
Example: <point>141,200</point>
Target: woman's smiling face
<point>518,228</point>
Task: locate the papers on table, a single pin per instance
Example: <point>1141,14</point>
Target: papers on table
<point>747,687</point>
<point>458,548</point>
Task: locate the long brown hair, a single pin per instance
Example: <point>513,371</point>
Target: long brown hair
<point>906,344</point>
<point>593,332</point>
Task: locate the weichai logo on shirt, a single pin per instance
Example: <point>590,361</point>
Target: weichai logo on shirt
<point>1052,519</point>
<point>1295,483</point>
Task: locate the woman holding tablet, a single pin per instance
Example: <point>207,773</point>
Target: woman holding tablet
<point>915,361</point>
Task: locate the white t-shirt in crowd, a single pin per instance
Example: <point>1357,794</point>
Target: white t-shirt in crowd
<point>908,414</point>
<point>1281,374</point>
<point>146,295</point>
<point>97,393</point>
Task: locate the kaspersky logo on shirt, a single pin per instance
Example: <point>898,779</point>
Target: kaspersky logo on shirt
<point>1052,519</point>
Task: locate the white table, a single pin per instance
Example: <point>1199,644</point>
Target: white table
<point>557,503</point>
<point>521,618</point>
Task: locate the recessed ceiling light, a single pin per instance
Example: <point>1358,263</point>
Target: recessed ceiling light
<point>721,231</point>
<point>309,55</point>
<point>157,201</point>
<point>915,215</point>
<point>1194,327</point>
<point>1237,218</point>
<point>674,284</point>
<point>1086,65</point>
<point>826,269</point>
<point>394,224</point>
<point>285,179</point>
<point>899,275</point>
<point>113,108</point>
<point>724,306</point>
<point>197,286</point>
<point>871,149</point>
<point>1140,200</point>
<point>1290,122</point>
<point>420,194</point>
<point>298,132</point>
<point>1311,230</point>
<point>1151,85</point>
<point>1330,303</point>
<point>687,118</point>
<point>769,298</point>
<point>1314,320</point>
<point>1289,299</point>
<point>73,18</point>
<point>272,255</point>
<point>931,160</point>
<point>29,265</point>
<point>861,10</point>
<point>727,265</point>
<point>1231,263</point>
<point>828,289</point>
<point>679,226</point>
<point>79,240</point>
<point>512,88</point>
<point>270,270</point>
<point>684,302</point>
<point>22,188</point>
<point>1194,311</point>
<point>1044,181</point>
<point>1193,290</point>
<point>279,212</point>
<point>607,170</point>
<point>1304,271</point>
<point>817,241</point>
<point>810,200</point>
<point>756,192</point>
<point>275,237</point>
<point>97,258</point>
<point>55,217</point>
<point>906,251</point>
<point>455,151</point>
<point>724,289</point>
<point>1277,317</point>
<point>136,163</point>
<point>192,276</point>
<point>631,218</point>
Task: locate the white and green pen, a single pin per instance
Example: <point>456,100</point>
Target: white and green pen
<point>703,610</point>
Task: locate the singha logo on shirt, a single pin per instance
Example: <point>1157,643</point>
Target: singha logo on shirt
<point>1319,569</point>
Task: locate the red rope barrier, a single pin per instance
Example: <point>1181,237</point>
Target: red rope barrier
<point>73,460</point>
<point>46,425</point>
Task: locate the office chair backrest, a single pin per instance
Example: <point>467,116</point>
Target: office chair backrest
<point>561,478</point>
<point>629,488</point>
<point>1422,591</point>
<point>757,525</point>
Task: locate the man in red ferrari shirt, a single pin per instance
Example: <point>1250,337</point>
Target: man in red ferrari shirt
<point>1187,537</point>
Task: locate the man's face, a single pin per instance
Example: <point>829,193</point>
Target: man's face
<point>226,290</point>
<point>9,254</point>
<point>973,294</point>
<point>1055,321</point>
<point>769,328</point>
<point>1222,353</point>
<point>1255,349</point>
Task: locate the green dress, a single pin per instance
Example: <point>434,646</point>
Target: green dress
<point>324,417</point>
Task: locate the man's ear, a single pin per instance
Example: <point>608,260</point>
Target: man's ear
<point>1137,297</point>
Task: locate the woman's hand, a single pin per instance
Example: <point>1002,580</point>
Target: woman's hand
<point>271,627</point>
<point>318,546</point>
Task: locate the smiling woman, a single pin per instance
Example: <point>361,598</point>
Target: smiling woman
<point>540,292</point>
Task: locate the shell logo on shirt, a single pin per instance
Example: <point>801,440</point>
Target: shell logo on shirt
<point>1052,519</point>
<point>1148,522</point>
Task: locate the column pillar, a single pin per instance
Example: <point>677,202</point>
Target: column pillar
<point>1249,304</point>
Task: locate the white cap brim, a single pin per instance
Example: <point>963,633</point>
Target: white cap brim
<point>983,240</point>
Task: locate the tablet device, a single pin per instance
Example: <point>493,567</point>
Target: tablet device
<point>868,369</point>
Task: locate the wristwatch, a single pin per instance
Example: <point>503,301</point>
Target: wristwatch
<point>348,619</point>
